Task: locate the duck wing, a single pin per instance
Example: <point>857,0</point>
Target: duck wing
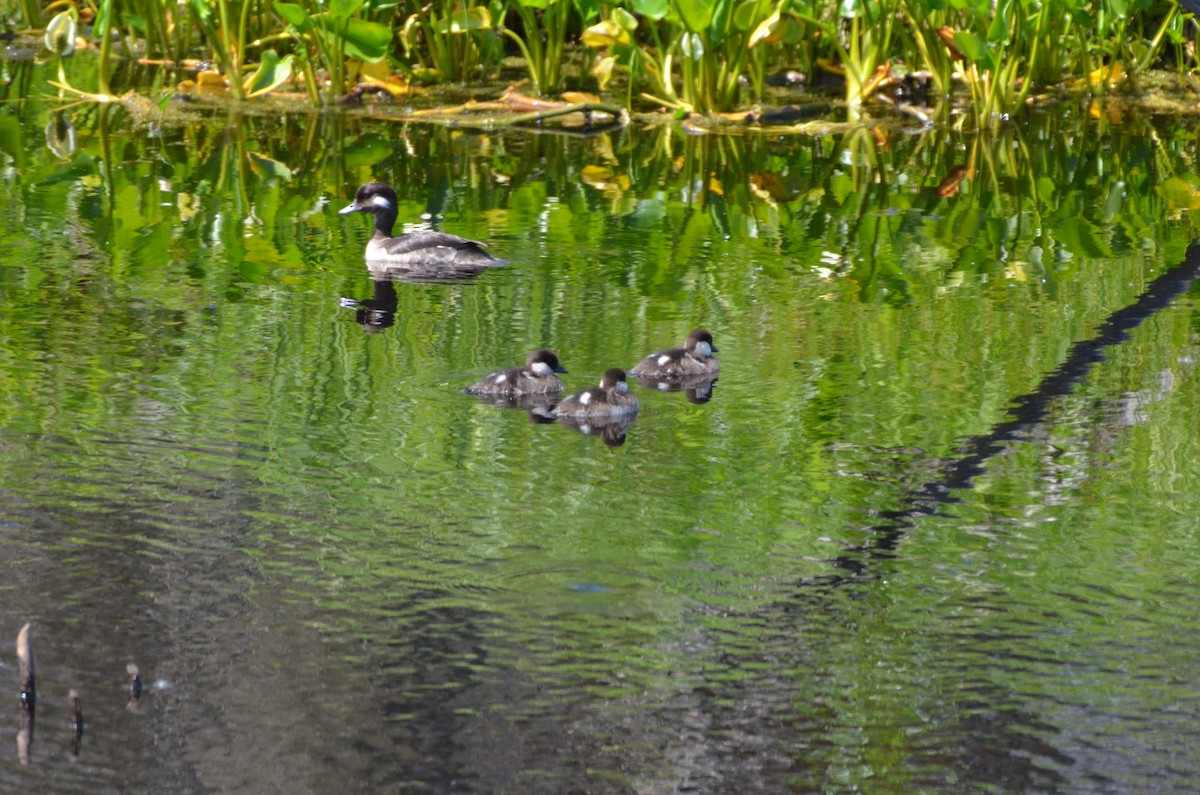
<point>419,242</point>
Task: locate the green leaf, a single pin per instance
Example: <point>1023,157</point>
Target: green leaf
<point>973,47</point>
<point>366,41</point>
<point>465,20</point>
<point>745,16</point>
<point>344,9</point>
<point>653,10</point>
<point>587,10</point>
<point>998,30</point>
<point>295,16</point>
<point>271,73</point>
<point>696,14</point>
<point>626,20</point>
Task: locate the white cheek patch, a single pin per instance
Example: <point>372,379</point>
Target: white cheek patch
<point>541,369</point>
<point>500,379</point>
<point>703,350</point>
<point>663,360</point>
<point>379,201</point>
<point>585,398</point>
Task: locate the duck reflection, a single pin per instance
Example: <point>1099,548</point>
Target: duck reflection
<point>539,408</point>
<point>427,273</point>
<point>696,388</point>
<point>378,312</point>
<point>611,430</point>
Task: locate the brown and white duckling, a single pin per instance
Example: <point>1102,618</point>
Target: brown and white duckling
<point>611,399</point>
<point>423,248</point>
<point>694,358</point>
<point>537,377</point>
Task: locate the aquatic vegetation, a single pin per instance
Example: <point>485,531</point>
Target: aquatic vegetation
<point>704,56</point>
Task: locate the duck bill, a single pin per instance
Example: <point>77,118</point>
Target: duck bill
<point>352,207</point>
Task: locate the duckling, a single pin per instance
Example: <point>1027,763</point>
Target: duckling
<point>537,377</point>
<point>423,248</point>
<point>610,399</point>
<point>694,358</point>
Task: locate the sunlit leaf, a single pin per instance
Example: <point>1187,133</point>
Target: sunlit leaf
<point>1112,74</point>
<point>765,29</point>
<point>604,34</point>
<point>653,10</point>
<point>625,19</point>
<point>603,71</point>
<point>272,72</point>
<point>465,20</point>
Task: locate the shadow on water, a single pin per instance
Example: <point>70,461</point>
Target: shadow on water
<point>1028,412</point>
<point>986,743</point>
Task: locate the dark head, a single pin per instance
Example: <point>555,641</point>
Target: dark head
<point>377,199</point>
<point>543,362</point>
<point>700,343</point>
<point>614,378</point>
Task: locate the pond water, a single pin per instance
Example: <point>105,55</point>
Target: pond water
<point>900,547</point>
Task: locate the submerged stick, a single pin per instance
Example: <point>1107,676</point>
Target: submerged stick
<point>28,672</point>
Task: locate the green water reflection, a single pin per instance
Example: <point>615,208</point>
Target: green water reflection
<point>346,570</point>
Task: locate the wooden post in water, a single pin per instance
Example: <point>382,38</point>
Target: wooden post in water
<point>135,685</point>
<point>76,723</point>
<point>28,674</point>
<point>28,694</point>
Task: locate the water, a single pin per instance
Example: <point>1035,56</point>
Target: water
<point>338,573</point>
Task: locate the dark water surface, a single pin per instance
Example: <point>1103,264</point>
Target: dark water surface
<point>338,573</point>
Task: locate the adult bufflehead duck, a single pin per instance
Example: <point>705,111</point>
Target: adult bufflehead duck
<point>610,399</point>
<point>537,377</point>
<point>694,358</point>
<point>423,248</point>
